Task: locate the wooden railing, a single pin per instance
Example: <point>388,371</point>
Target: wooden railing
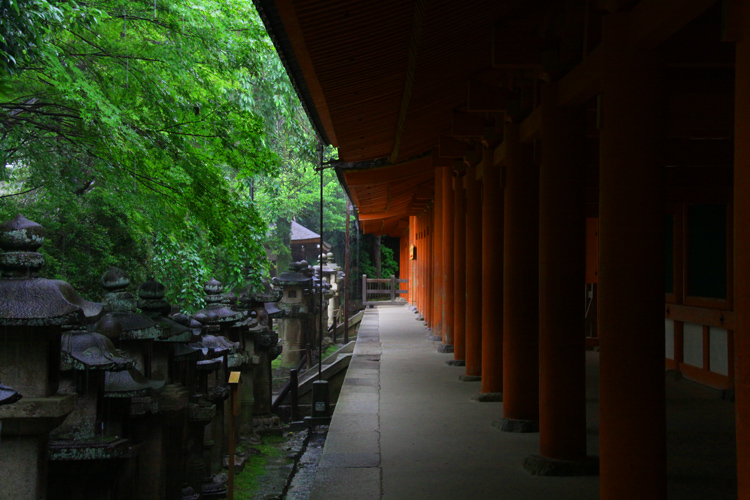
<point>374,287</point>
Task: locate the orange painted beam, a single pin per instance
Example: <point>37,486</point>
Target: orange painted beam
<point>653,21</point>
<point>439,161</point>
<point>467,125</point>
<point>452,148</point>
<point>582,82</point>
<point>389,174</point>
<point>485,97</point>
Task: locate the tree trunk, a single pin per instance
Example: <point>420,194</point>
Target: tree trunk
<point>376,260</point>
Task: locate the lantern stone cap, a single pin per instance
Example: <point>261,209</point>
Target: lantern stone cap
<point>43,302</point>
<point>185,352</point>
<point>130,383</point>
<point>273,310</point>
<point>265,293</point>
<point>84,351</point>
<point>8,395</point>
<point>298,275</point>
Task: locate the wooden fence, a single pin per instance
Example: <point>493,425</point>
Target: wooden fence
<point>381,291</point>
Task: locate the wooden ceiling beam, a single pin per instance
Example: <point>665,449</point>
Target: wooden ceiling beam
<point>373,216</point>
<point>499,154</point>
<point>511,49</point>
<point>531,127</point>
<point>485,97</point>
<point>451,148</point>
<point>467,125</point>
<point>381,175</point>
<point>583,82</point>
<point>654,21</point>
<point>438,161</point>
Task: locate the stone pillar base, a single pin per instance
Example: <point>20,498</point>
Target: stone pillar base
<point>445,348</point>
<point>490,397</point>
<point>469,378</point>
<point>456,362</point>
<point>543,466</point>
<point>266,423</point>
<point>420,317</point>
<point>516,425</point>
<point>435,338</point>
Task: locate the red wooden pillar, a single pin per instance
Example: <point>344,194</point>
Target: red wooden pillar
<point>447,268</point>
<point>742,255</point>
<point>520,287</point>
<point>420,258</point>
<point>413,263</point>
<point>459,267</point>
<point>423,267</point>
<point>562,270</point>
<point>437,256</point>
<point>428,281</point>
<point>492,279</point>
<point>473,312</point>
<point>631,269</point>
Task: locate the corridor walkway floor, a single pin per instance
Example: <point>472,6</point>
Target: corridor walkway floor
<point>405,427</point>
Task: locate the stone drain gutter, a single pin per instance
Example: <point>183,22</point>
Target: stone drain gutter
<point>288,466</point>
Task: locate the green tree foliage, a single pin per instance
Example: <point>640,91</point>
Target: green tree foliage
<point>134,136</point>
<point>24,27</point>
<point>388,264</point>
<point>293,191</point>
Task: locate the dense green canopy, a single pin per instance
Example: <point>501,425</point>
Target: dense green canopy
<point>160,137</point>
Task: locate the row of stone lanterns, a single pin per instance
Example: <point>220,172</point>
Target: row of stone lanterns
<point>104,401</point>
<point>301,305</point>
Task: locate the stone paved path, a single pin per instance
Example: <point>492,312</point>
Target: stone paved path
<point>405,427</point>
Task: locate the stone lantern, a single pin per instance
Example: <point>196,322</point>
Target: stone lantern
<point>335,280</point>
<point>32,313</point>
<point>171,333</point>
<point>328,276</point>
<point>256,400</point>
<point>318,310</point>
<point>216,312</point>
<point>137,332</point>
<point>294,284</point>
<point>172,360</point>
<point>134,397</point>
<point>87,436</point>
<point>207,413</point>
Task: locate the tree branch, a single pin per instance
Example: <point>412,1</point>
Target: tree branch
<point>18,194</point>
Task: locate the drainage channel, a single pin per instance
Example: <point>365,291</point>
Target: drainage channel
<point>279,467</point>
